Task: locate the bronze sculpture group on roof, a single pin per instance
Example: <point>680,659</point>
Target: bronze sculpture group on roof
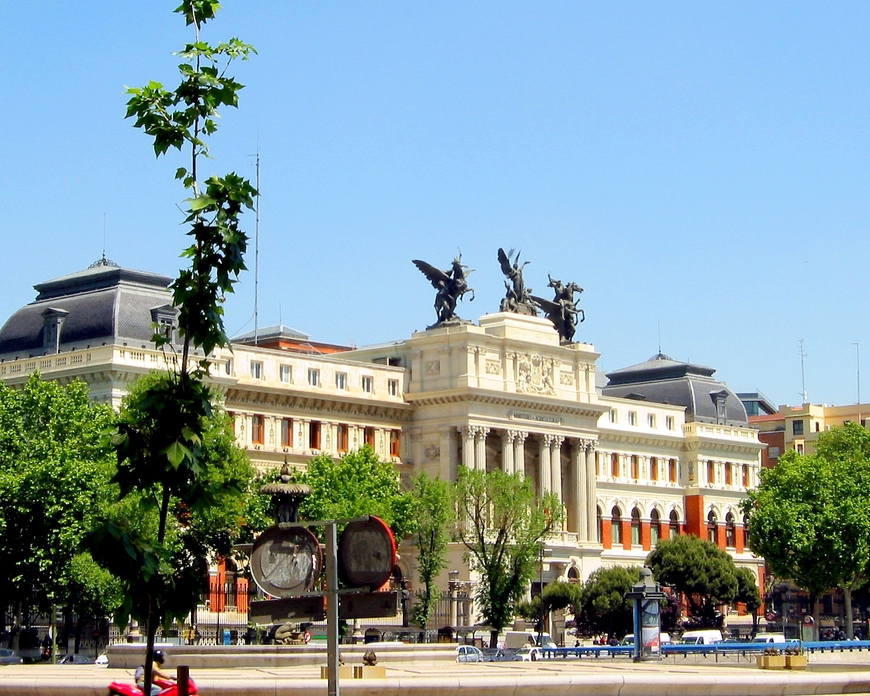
<point>452,284</point>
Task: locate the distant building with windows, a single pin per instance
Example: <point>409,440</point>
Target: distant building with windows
<point>662,449</point>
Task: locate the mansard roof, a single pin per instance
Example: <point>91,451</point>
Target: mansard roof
<point>101,304</point>
<point>666,381</point>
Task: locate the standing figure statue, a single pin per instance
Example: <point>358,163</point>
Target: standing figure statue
<point>451,285</point>
<point>563,310</point>
<point>518,298</point>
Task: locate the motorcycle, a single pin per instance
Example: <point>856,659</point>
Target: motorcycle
<point>170,688</point>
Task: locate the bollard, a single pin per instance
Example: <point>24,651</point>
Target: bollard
<point>183,674</point>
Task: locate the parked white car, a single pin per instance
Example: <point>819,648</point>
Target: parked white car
<point>468,653</point>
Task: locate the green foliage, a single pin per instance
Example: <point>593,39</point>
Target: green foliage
<point>171,519</point>
<point>502,525</point>
<point>557,595</point>
<point>810,516</point>
<point>357,484</point>
<point>181,118</point>
<point>747,590</point>
<point>160,437</point>
<point>432,515</point>
<point>55,472</point>
<point>698,569</point>
<point>602,606</point>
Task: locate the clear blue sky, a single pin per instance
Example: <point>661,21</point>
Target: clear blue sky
<point>702,167</point>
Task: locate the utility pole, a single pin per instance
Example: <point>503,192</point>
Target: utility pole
<point>803,353</point>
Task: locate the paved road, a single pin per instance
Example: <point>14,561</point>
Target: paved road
<point>608,677</point>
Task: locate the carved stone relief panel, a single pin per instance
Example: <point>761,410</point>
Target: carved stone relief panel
<point>433,367</point>
<point>535,374</point>
<point>493,367</point>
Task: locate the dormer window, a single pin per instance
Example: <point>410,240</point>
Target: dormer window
<point>165,321</point>
<point>719,398</point>
<point>52,324</point>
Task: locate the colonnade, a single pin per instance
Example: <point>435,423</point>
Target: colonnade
<point>580,475</point>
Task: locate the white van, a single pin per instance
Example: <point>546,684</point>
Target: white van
<point>769,638</point>
<point>704,637</point>
<point>517,639</point>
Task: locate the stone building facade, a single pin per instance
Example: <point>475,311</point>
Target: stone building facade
<point>662,449</point>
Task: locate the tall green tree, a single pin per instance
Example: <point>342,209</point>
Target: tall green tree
<point>354,485</point>
<point>699,570</point>
<point>810,517</point>
<point>749,594</point>
<point>432,515</point>
<point>160,434</point>
<point>55,474</point>
<point>502,525</point>
<point>602,606</point>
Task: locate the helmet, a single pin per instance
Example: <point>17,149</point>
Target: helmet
<point>159,656</point>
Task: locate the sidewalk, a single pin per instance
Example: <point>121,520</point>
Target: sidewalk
<point>545,678</point>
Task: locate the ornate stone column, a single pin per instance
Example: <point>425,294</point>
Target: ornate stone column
<point>578,466</point>
<point>546,468</point>
<point>591,492</point>
<point>520,451</point>
<point>480,447</point>
<point>467,434</point>
<point>507,451</point>
<point>556,465</point>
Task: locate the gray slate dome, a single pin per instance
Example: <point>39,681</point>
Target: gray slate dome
<point>103,304</point>
<point>665,381</point>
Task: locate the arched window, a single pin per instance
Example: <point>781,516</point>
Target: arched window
<point>674,527</point>
<point>730,535</point>
<point>616,526</point>
<point>573,574</point>
<point>635,527</point>
<point>712,523</point>
<point>598,520</point>
<point>655,529</point>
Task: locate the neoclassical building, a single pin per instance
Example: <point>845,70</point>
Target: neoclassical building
<point>662,449</point>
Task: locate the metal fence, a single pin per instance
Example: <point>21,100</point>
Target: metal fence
<point>223,619</point>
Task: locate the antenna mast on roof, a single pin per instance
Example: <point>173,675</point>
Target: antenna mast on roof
<point>803,377</point>
<point>257,248</point>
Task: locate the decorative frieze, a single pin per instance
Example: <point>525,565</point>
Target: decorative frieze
<point>535,375</point>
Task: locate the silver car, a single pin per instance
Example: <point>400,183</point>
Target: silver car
<point>468,653</point>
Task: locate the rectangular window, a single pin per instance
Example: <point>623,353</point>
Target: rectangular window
<point>257,429</point>
<point>614,416</point>
<point>313,377</point>
<point>711,471</point>
<point>632,417</point>
<point>228,367</point>
<point>395,447</point>
<point>669,422</point>
<point>314,435</point>
<point>341,380</point>
<point>654,469</point>
<point>728,480</point>
<point>635,467</point>
<point>393,387</point>
<point>286,373</point>
<point>256,369</point>
<point>614,465</point>
<point>745,476</point>
<point>342,438</point>
<point>651,420</point>
<point>369,434</point>
<point>797,427</point>
<point>672,470</point>
<point>286,432</point>
<point>368,384</point>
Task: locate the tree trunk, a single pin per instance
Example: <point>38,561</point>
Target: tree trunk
<point>814,609</point>
<point>493,638</point>
<point>850,619</point>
